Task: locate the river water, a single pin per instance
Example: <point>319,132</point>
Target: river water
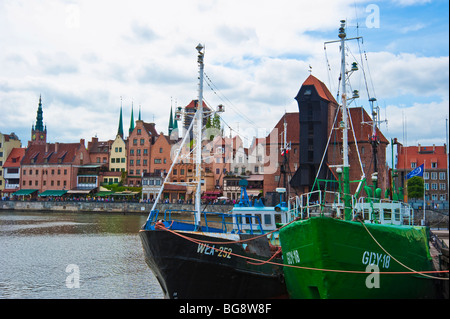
<point>47,255</point>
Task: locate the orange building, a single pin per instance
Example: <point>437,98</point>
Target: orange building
<point>139,145</point>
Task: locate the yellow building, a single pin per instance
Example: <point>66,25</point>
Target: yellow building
<point>118,155</point>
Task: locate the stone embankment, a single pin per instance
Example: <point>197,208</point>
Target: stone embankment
<point>111,207</point>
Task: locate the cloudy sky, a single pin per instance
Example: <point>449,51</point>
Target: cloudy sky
<point>85,57</point>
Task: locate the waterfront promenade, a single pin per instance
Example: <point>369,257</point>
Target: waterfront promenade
<point>98,206</point>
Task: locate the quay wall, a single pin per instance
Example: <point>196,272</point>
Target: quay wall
<point>112,207</point>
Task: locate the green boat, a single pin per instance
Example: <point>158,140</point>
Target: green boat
<point>332,258</point>
<point>345,246</point>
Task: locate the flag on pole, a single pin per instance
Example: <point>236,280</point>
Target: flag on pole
<point>418,171</point>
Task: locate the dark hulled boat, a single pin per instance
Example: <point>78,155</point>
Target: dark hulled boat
<point>223,257</point>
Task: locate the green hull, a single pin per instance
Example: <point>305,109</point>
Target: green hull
<point>333,244</point>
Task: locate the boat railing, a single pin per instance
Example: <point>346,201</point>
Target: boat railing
<point>384,211</point>
<point>211,221</point>
<point>319,203</point>
<point>373,210</point>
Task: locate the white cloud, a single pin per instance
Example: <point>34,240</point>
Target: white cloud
<point>420,123</point>
<point>411,2</point>
<point>82,56</point>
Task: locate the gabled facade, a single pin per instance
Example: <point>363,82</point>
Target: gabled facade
<point>139,145</point>
<point>160,155</point>
<point>118,155</point>
<point>99,151</point>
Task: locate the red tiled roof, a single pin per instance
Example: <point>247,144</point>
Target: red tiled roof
<point>65,151</point>
<point>321,88</point>
<point>421,154</point>
<point>14,157</point>
<point>193,105</point>
<point>293,128</point>
<point>361,124</point>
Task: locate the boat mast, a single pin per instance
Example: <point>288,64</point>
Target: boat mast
<point>198,136</point>
<point>344,127</point>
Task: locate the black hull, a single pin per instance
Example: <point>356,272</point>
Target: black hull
<point>186,271</point>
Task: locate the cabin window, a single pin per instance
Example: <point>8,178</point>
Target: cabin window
<point>267,219</point>
<point>277,218</point>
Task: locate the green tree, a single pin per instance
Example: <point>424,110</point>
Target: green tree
<point>415,187</point>
<point>213,126</point>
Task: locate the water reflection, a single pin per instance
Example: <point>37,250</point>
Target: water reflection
<point>35,249</point>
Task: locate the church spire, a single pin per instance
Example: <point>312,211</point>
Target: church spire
<point>120,130</point>
<point>39,117</point>
<point>39,131</point>
<point>139,119</point>
<point>170,121</point>
<point>132,120</point>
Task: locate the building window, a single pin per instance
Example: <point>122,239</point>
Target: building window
<point>160,149</point>
<point>442,186</point>
<point>426,175</point>
<point>434,175</point>
<point>142,141</point>
<point>413,164</point>
<point>442,175</point>
<point>434,186</point>
<point>157,161</point>
<point>135,141</point>
<point>433,164</point>
<point>427,186</point>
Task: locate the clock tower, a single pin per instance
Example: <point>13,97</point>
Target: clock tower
<point>38,131</point>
